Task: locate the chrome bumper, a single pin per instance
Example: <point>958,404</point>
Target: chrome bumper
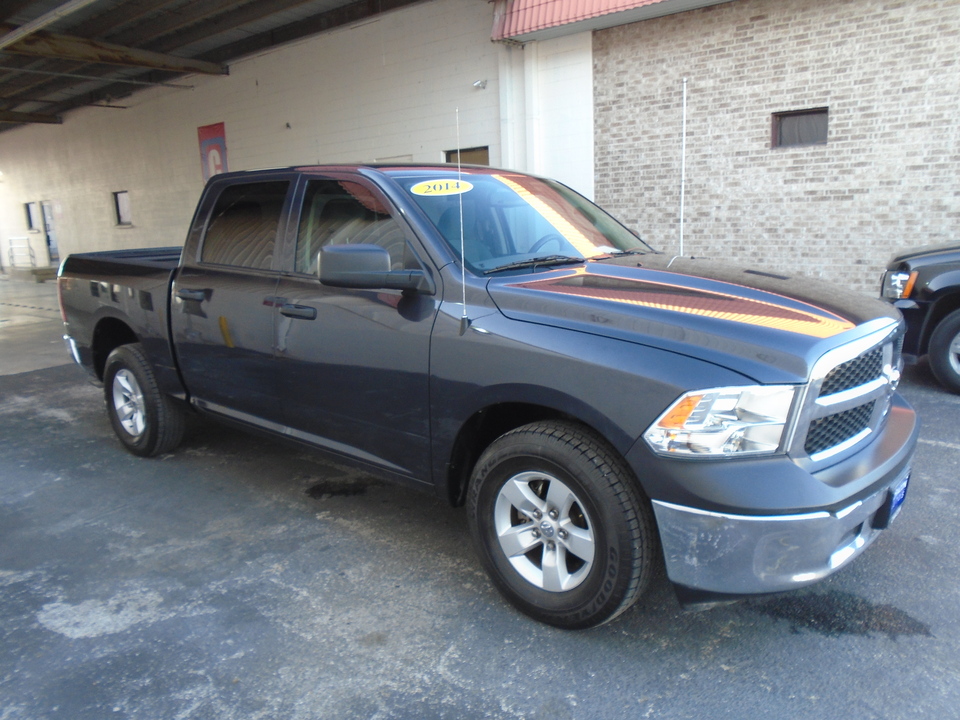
<point>743,554</point>
<point>72,349</point>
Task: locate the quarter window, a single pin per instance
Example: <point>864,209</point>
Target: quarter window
<point>243,225</point>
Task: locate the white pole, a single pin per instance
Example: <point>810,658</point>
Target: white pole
<point>683,161</point>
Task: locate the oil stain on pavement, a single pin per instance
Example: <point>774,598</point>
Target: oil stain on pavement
<point>838,613</point>
<point>338,488</point>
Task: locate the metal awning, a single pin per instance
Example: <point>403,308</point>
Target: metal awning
<point>57,55</point>
<point>526,20</point>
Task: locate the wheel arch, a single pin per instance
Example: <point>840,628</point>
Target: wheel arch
<point>493,420</point>
<point>942,306</point>
<point>109,334</point>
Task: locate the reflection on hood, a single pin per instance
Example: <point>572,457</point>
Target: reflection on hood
<point>813,322</point>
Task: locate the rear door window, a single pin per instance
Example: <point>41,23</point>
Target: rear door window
<point>242,231</point>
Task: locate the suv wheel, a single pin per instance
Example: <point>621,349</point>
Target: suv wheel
<point>944,352</point>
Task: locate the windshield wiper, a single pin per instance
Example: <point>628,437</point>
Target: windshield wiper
<point>545,260</point>
<point>622,253</point>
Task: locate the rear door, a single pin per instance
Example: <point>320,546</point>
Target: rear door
<point>223,299</point>
<point>353,365</point>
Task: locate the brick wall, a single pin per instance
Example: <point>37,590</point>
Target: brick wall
<point>384,88</point>
<point>888,177</point>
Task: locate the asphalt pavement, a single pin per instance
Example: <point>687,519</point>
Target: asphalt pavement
<point>240,577</point>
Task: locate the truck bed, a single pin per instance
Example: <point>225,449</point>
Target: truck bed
<point>127,262</point>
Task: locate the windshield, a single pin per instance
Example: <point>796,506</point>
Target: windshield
<point>509,219</point>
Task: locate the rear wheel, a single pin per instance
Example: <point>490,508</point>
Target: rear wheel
<point>944,352</point>
<point>560,525</point>
<point>146,421</point>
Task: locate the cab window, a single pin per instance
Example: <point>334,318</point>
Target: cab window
<point>344,212</point>
<point>242,231</point>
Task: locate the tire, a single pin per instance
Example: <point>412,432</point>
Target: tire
<point>561,525</point>
<point>147,422</point>
<point>944,352</point>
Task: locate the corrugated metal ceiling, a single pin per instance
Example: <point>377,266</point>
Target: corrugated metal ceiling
<point>100,51</point>
<point>525,20</point>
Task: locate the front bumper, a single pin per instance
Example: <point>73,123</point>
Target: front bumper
<point>744,554</point>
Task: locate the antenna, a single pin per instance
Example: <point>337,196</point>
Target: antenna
<point>464,320</point>
<point>683,161</point>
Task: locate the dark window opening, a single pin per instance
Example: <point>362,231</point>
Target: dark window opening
<point>121,208</point>
<point>800,127</point>
<point>470,156</point>
<point>33,215</point>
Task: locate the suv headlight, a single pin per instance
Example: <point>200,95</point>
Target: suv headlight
<point>898,284</point>
<point>724,421</point>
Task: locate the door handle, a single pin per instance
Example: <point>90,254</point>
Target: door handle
<point>197,295</point>
<point>303,312</point>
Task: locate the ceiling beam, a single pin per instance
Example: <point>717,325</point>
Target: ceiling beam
<point>8,116</point>
<point>43,21</point>
<point>80,76</point>
<point>68,47</point>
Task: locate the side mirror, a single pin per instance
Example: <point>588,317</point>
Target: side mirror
<point>367,267</point>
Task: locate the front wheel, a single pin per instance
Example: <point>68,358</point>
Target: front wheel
<point>146,421</point>
<point>560,525</point>
<point>944,352</point>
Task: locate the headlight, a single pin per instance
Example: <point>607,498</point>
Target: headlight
<point>724,421</point>
<point>898,284</point>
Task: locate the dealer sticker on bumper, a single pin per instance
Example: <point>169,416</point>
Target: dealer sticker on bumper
<point>898,496</point>
<point>894,502</point>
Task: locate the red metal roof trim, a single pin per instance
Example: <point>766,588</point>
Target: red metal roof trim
<point>514,18</point>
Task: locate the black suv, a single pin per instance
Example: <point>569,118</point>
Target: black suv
<point>924,284</point>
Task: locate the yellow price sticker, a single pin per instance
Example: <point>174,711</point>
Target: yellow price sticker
<point>441,187</point>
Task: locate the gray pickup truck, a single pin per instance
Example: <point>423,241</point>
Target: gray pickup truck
<point>600,408</point>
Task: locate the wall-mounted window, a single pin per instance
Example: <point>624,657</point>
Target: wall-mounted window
<point>34,221</point>
<point>121,206</point>
<point>470,156</point>
<point>799,127</point>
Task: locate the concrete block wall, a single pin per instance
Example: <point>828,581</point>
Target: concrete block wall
<point>386,87</point>
<point>888,177</point>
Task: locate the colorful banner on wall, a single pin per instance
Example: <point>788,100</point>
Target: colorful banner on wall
<point>213,149</point>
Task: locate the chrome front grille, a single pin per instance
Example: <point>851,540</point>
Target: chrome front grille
<point>833,430</point>
<point>853,373</point>
<point>848,396</point>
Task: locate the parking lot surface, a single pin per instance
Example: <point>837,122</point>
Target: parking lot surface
<point>240,577</point>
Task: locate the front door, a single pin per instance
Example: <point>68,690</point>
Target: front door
<point>353,365</point>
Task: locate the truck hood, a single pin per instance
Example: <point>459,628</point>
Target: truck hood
<point>766,326</point>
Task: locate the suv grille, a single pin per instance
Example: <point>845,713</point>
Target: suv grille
<point>849,396</point>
